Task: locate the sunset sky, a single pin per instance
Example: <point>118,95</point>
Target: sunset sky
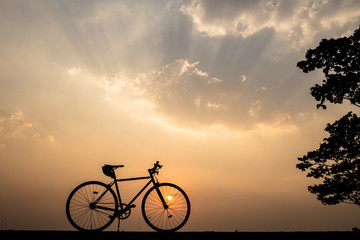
<point>210,89</point>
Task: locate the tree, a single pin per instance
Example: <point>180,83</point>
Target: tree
<point>340,61</point>
<point>337,161</point>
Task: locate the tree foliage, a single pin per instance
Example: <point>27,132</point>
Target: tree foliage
<point>337,163</point>
<point>340,61</point>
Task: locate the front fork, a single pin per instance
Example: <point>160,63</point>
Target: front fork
<point>160,195</point>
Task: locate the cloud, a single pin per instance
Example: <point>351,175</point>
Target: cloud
<point>15,127</point>
<point>255,108</point>
<point>50,138</point>
<point>184,96</point>
<point>296,21</point>
<point>74,71</point>
<point>262,89</point>
<point>243,78</point>
<point>216,106</point>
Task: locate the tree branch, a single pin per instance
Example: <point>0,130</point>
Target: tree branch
<point>355,104</point>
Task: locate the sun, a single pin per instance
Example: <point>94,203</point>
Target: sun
<point>169,197</point>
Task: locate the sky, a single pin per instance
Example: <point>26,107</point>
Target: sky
<point>210,89</point>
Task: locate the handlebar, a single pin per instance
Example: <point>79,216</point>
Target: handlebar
<point>155,169</point>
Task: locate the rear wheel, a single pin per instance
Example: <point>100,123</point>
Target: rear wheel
<point>170,218</point>
<point>86,212</point>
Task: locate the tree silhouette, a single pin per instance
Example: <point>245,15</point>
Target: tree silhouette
<point>340,61</point>
<point>337,161</point>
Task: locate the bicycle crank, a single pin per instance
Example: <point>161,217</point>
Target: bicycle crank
<point>126,211</point>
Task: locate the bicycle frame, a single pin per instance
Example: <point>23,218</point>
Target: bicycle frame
<point>129,205</point>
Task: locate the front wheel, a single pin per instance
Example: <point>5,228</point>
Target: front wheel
<point>171,217</point>
<point>91,206</point>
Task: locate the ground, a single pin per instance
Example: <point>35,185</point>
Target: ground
<point>70,235</point>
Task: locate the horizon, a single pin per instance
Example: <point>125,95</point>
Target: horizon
<point>210,90</point>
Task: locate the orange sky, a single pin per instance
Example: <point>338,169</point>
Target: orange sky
<point>210,90</point>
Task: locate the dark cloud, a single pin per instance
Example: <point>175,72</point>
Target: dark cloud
<point>297,22</point>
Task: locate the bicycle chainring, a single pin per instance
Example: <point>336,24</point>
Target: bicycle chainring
<point>125,213</point>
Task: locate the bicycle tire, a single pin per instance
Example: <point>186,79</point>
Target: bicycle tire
<point>79,211</point>
<point>161,219</point>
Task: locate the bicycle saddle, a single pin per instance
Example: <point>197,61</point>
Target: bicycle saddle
<point>108,170</point>
<point>113,166</point>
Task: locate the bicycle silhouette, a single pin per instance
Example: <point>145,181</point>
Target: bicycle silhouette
<point>93,205</point>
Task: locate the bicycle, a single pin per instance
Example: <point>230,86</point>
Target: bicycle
<point>93,205</point>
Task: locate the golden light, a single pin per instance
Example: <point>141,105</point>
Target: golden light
<point>169,197</point>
